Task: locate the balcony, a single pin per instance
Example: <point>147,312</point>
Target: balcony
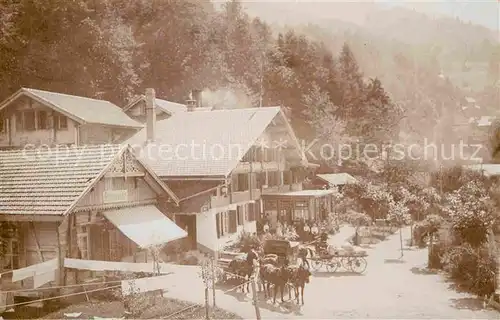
<point>247,167</point>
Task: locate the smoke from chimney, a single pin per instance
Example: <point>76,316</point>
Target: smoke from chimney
<point>150,114</point>
<point>226,99</point>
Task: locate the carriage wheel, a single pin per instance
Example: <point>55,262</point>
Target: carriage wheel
<point>333,265</point>
<point>316,264</point>
<point>358,264</point>
<point>345,262</point>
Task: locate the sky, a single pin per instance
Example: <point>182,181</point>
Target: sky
<point>482,12</point>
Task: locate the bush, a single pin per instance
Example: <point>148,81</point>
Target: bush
<point>190,259</point>
<point>475,269</point>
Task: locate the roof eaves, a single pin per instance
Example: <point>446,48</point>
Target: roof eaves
<point>52,105</point>
<point>96,179</point>
<point>137,126</point>
<point>34,96</point>
<point>240,156</point>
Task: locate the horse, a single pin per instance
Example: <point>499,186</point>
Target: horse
<point>298,278</point>
<point>277,276</point>
<point>243,267</point>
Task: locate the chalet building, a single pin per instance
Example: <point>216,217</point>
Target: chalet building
<point>36,117</point>
<point>89,203</point>
<point>224,165</point>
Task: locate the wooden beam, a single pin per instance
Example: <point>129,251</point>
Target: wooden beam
<point>124,175</point>
<point>38,248</point>
<point>31,217</point>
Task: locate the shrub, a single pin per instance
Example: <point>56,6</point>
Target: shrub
<point>190,259</point>
<point>247,241</point>
<point>475,269</point>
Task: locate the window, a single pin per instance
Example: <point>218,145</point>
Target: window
<point>25,120</point>
<point>60,122</point>
<point>270,205</point>
<point>43,122</point>
<point>260,179</point>
<point>287,177</point>
<point>242,184</point>
<point>10,260</point>
<point>29,120</point>
<point>301,209</point>
<point>225,223</point>
<point>82,243</point>
<point>274,178</point>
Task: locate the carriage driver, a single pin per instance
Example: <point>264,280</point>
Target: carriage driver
<point>252,259</point>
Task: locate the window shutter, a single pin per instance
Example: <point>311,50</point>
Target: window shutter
<point>251,212</point>
<point>239,215</point>
<point>232,221</point>
<point>217,222</point>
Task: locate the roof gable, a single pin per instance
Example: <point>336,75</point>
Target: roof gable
<point>52,181</point>
<point>80,109</point>
<point>205,143</point>
<point>166,106</point>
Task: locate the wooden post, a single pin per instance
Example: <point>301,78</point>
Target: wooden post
<point>255,301</point>
<point>401,240</point>
<point>207,307</point>
<point>214,278</point>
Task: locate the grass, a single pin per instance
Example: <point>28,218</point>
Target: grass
<point>159,308</point>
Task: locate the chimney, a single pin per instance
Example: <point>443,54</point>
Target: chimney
<point>194,101</point>
<point>150,114</point>
<point>197,97</point>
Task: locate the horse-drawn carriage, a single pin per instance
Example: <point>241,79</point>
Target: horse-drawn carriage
<point>333,259</point>
<point>287,251</point>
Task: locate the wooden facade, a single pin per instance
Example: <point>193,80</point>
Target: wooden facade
<point>84,232</point>
<point>25,121</point>
<point>295,206</point>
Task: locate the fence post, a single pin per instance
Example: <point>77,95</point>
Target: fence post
<point>255,300</point>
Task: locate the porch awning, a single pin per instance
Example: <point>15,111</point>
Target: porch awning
<point>145,225</point>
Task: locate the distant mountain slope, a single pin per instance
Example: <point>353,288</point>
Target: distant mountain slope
<point>467,54</point>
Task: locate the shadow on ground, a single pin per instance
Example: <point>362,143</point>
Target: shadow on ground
<point>394,261</point>
<point>287,307</point>
<point>474,304</point>
<point>422,271</point>
<point>326,274</point>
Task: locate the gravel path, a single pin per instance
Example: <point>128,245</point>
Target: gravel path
<point>390,288</point>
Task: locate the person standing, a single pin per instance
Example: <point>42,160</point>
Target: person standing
<point>279,229</point>
<point>266,227</point>
<point>307,231</point>
<point>315,230</point>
